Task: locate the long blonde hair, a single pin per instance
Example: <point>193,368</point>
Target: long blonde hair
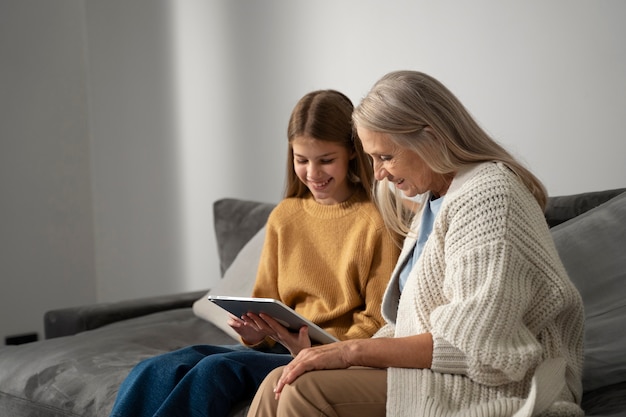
<point>420,113</point>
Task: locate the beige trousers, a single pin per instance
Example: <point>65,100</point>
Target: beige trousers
<point>353,392</point>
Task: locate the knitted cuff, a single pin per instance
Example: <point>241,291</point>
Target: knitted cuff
<point>447,359</point>
<point>387,330</point>
<point>266,343</point>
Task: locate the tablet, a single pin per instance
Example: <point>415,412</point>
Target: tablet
<point>238,306</point>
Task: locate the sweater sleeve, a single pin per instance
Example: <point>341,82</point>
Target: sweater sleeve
<point>266,283</point>
<point>379,260</point>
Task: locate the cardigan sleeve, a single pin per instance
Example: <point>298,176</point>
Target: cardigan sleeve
<point>388,330</point>
<point>482,331</point>
<point>491,281</point>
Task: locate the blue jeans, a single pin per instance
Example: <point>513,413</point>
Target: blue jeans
<point>195,381</point>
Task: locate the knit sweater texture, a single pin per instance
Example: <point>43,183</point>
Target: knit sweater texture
<point>491,289</point>
<point>330,263</point>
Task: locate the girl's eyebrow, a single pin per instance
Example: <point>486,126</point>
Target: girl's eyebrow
<point>317,156</point>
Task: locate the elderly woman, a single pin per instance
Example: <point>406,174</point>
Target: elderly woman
<point>481,317</point>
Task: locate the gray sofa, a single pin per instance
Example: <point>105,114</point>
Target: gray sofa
<point>89,350</point>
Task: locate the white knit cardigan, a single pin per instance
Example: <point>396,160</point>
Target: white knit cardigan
<point>507,323</point>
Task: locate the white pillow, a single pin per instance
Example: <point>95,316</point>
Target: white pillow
<point>237,281</point>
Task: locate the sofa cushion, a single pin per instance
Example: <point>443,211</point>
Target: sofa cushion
<point>236,222</point>
<point>591,247</point>
<point>561,208</point>
<point>238,281</point>
<point>79,375</point>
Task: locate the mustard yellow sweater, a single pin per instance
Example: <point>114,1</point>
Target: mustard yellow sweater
<point>330,263</point>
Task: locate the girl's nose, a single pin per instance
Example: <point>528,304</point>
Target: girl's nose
<point>313,171</point>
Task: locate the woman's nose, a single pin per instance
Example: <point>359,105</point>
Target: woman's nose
<point>379,172</point>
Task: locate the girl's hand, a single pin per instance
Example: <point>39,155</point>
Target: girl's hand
<point>265,324</point>
<point>250,334</point>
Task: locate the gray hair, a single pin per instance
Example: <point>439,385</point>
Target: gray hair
<point>419,113</point>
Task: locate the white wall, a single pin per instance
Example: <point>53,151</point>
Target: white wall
<point>47,255</point>
<point>134,149</point>
<point>164,106</point>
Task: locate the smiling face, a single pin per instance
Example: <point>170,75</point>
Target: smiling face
<point>323,167</point>
<point>402,167</point>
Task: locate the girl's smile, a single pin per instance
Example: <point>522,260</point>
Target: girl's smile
<point>323,167</point>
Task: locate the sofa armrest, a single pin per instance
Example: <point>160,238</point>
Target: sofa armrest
<point>69,321</point>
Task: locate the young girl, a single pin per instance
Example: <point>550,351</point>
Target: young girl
<point>327,254</point>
